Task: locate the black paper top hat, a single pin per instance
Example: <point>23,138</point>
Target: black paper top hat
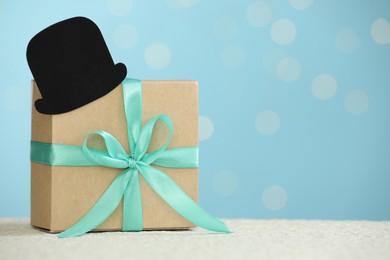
<point>71,65</point>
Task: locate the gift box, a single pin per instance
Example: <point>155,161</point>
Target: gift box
<point>109,152</point>
<point>62,195</point>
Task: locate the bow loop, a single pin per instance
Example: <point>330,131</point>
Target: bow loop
<point>145,136</point>
<point>114,157</point>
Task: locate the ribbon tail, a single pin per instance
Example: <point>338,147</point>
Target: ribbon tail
<point>132,205</point>
<point>172,194</point>
<point>103,208</point>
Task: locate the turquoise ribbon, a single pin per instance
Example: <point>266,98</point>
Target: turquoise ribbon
<point>126,184</point>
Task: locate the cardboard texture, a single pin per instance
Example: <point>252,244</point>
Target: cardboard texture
<point>61,195</point>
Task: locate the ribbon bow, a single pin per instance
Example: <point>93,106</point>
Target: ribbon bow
<point>126,184</point>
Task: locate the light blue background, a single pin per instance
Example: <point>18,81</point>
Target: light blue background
<point>328,159</point>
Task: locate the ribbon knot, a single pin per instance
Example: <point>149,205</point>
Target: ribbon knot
<point>131,161</point>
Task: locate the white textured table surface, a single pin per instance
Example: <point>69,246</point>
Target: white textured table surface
<point>252,239</point>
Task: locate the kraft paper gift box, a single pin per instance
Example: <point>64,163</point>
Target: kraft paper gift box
<point>61,195</point>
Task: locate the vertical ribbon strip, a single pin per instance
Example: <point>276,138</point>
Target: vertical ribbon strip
<point>126,184</point>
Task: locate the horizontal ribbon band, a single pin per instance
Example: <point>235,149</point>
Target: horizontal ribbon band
<point>72,155</point>
<point>126,184</point>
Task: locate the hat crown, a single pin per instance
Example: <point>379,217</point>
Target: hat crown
<point>71,64</point>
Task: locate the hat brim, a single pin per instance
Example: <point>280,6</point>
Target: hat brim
<point>117,75</point>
